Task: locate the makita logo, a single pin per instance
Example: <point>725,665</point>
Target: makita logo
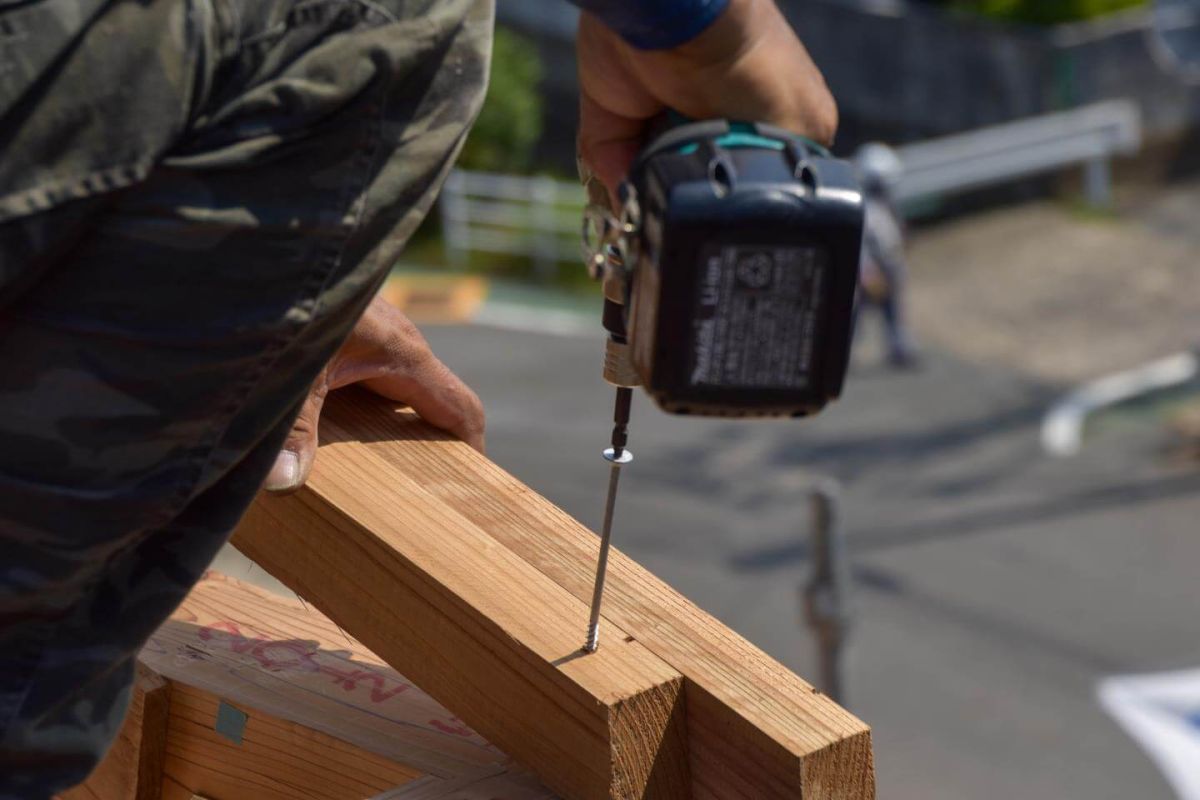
<point>705,330</point>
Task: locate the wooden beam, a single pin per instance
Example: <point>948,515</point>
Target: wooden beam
<point>477,627</point>
<point>133,767</point>
<point>309,712</point>
<point>260,756</point>
<point>274,655</point>
<point>754,729</point>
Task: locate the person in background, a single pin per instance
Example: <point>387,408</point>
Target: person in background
<point>883,272</point>
<point>198,202</point>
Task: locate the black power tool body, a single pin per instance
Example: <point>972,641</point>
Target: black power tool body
<point>729,282</point>
<point>741,284</point>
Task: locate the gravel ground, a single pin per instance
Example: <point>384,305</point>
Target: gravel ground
<point>1058,295</point>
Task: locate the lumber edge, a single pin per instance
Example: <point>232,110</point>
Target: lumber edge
<point>413,579</point>
<point>754,728</point>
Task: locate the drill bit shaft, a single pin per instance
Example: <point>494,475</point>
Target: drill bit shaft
<point>618,456</point>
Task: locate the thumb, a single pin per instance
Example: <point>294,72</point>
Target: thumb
<point>295,459</point>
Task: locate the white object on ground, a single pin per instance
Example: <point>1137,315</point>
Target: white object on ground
<point>1162,712</point>
<point>1062,427</point>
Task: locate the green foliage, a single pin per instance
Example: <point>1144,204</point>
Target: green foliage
<point>1044,12</point>
<point>510,123</point>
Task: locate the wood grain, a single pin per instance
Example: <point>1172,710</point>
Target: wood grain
<point>510,786</point>
<point>755,730</point>
<point>275,760</point>
<point>476,626</point>
<point>276,656</point>
<point>133,767</point>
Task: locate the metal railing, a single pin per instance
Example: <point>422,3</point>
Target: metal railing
<point>538,218</point>
<point>1091,136</point>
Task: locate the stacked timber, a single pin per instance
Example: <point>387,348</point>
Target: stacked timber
<point>244,695</point>
<point>442,568</point>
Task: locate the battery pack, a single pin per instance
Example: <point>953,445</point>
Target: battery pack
<point>742,292</point>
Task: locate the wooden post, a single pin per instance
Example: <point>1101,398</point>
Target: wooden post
<point>446,565</point>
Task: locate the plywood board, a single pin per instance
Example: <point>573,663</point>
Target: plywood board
<point>276,655</point>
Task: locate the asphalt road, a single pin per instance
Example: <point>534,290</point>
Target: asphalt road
<point>993,586</point>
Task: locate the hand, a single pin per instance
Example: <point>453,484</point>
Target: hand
<point>388,355</point>
<point>748,65</point>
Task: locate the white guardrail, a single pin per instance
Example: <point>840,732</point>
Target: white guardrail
<point>539,217</point>
<point>1090,135</point>
<point>1062,427</point>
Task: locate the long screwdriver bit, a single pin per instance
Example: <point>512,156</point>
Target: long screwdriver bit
<point>617,456</point>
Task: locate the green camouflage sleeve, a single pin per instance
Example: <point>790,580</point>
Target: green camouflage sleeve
<point>197,200</point>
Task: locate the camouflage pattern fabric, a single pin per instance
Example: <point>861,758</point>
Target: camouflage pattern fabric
<point>198,198</point>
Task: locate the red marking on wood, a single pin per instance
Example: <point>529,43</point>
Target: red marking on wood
<point>301,656</point>
<point>454,727</point>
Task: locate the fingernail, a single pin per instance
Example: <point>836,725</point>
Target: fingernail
<point>285,474</point>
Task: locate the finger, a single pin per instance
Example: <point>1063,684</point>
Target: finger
<point>295,459</point>
<point>388,355</point>
<point>614,104</point>
<point>412,374</point>
<point>439,397</point>
<point>608,143</point>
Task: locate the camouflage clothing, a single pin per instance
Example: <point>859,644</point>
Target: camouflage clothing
<point>197,200</point>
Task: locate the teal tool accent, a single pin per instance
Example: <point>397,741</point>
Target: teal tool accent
<point>742,134</point>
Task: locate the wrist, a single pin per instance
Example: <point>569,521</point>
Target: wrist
<point>732,33</point>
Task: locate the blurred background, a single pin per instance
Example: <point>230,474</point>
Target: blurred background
<point>1014,503</point>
